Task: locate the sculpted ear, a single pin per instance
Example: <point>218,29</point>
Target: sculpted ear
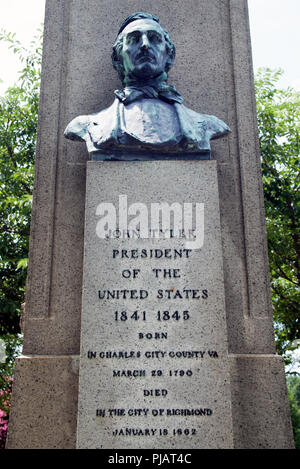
<point>171,50</point>
<point>116,58</point>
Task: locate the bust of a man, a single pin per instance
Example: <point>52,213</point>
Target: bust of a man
<point>147,115</point>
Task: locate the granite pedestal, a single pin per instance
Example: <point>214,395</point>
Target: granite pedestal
<point>154,366</point>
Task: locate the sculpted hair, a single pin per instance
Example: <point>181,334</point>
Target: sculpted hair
<point>117,47</point>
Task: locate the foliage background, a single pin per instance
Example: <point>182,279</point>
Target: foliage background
<point>18,125</point>
<point>278,113</point>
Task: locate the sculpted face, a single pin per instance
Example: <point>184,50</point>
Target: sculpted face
<point>144,53</point>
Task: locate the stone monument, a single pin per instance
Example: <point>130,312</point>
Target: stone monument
<point>147,115</point>
<point>148,319</point>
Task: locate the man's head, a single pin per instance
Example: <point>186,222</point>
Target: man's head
<point>143,49</point>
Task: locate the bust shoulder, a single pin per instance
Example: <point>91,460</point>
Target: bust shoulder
<point>125,126</point>
<point>77,128</point>
<point>212,125</point>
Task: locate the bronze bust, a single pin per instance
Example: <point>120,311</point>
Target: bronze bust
<point>147,116</point>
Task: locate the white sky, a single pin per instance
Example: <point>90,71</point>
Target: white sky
<point>275,36</point>
<point>22,17</point>
<point>275,31</point>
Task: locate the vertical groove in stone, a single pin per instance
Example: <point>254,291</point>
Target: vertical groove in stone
<point>59,134</point>
<point>43,213</point>
<point>258,285</point>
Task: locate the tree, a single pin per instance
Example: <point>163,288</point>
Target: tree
<point>278,124</point>
<point>18,124</point>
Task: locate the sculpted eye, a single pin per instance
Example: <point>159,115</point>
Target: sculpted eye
<point>154,37</point>
<point>132,38</point>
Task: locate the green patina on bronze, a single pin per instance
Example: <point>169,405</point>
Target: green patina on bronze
<point>147,119</point>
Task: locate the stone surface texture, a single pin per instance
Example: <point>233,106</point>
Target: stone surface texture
<point>214,75</point>
<point>260,406</point>
<point>78,78</point>
<point>204,331</point>
<point>44,403</point>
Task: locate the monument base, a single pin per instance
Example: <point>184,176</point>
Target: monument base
<point>155,366</point>
<point>260,407</point>
<point>148,381</point>
<point>44,403</point>
<point>44,411</point>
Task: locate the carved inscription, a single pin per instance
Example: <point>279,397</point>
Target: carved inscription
<point>154,350</point>
<point>155,318</point>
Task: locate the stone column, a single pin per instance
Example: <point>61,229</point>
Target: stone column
<point>213,71</point>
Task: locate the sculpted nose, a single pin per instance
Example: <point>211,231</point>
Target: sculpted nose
<point>145,42</point>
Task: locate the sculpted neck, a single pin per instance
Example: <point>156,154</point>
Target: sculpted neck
<point>156,82</point>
